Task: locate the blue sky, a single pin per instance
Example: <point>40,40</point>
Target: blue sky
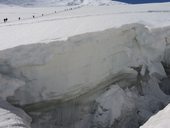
<point>143,1</point>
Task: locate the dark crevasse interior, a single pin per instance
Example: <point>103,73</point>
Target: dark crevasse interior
<point>165,83</point>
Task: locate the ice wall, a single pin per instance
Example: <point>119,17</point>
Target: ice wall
<point>67,69</point>
<point>105,79</point>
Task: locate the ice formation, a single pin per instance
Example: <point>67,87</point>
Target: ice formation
<point>65,68</point>
<point>82,67</point>
<point>115,82</point>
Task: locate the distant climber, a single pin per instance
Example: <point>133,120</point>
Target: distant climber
<point>33,16</point>
<point>19,18</point>
<point>5,20</point>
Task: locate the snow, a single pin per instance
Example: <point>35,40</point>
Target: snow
<point>111,106</point>
<point>50,3</point>
<point>66,23</point>
<point>12,117</point>
<point>60,41</point>
<point>64,69</point>
<point>66,54</point>
<point>57,44</point>
<point>8,86</point>
<point>159,120</point>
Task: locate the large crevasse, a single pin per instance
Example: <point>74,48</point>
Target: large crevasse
<point>106,79</point>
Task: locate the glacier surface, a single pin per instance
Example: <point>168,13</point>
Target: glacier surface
<point>102,75</point>
<point>65,68</point>
<point>115,82</point>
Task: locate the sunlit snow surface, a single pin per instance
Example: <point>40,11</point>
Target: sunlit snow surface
<point>82,62</point>
<point>159,120</point>
<point>67,22</point>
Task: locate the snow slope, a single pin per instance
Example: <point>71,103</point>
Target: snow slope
<point>66,23</point>
<point>50,3</point>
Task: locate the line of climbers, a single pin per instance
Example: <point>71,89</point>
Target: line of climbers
<point>19,18</point>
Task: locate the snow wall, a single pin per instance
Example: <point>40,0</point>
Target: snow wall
<point>99,66</point>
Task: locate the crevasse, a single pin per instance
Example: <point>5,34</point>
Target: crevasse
<point>106,79</point>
